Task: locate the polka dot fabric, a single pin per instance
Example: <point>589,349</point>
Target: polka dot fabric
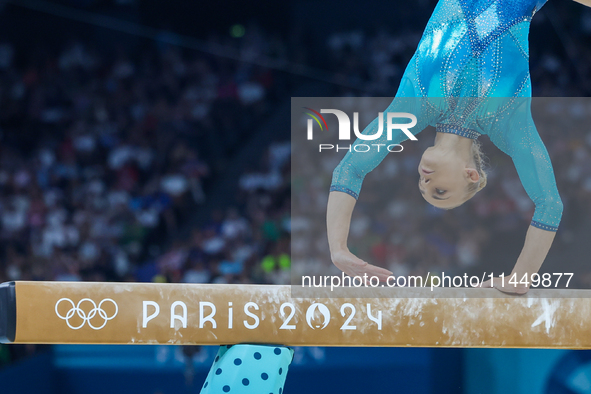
<point>248,369</point>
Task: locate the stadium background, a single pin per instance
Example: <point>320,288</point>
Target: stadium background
<point>149,141</point>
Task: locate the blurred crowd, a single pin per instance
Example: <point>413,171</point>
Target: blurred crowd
<point>248,242</point>
<point>103,158</point>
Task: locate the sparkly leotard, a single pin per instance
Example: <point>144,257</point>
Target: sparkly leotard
<point>470,76</point>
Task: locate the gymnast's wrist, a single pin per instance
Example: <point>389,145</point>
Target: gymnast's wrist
<point>337,251</point>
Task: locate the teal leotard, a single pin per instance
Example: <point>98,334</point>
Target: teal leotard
<point>470,76</point>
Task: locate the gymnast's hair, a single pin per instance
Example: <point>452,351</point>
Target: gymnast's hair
<point>480,163</point>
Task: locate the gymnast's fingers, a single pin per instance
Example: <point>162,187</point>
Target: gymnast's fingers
<point>512,289</point>
<point>354,266</point>
<point>361,268</point>
<point>488,283</point>
<point>380,272</point>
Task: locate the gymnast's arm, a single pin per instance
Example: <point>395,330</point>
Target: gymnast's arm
<point>534,252</point>
<point>534,168</point>
<point>344,191</point>
<point>338,218</point>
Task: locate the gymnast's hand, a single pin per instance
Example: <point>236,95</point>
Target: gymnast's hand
<point>354,266</point>
<point>505,287</point>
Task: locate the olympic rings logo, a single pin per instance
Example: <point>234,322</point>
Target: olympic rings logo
<point>86,318</point>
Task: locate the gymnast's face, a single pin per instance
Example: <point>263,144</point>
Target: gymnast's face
<point>444,178</point>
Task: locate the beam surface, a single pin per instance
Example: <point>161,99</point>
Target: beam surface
<point>134,313</point>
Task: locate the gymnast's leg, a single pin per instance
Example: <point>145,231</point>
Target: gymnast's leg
<point>248,369</point>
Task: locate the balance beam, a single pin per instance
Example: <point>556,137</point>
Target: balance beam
<point>186,314</point>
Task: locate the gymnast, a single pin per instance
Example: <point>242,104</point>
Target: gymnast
<point>469,76</point>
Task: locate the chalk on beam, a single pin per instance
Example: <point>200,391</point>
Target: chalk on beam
<point>208,314</point>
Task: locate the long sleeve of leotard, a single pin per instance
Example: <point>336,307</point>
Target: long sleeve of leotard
<point>515,133</point>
